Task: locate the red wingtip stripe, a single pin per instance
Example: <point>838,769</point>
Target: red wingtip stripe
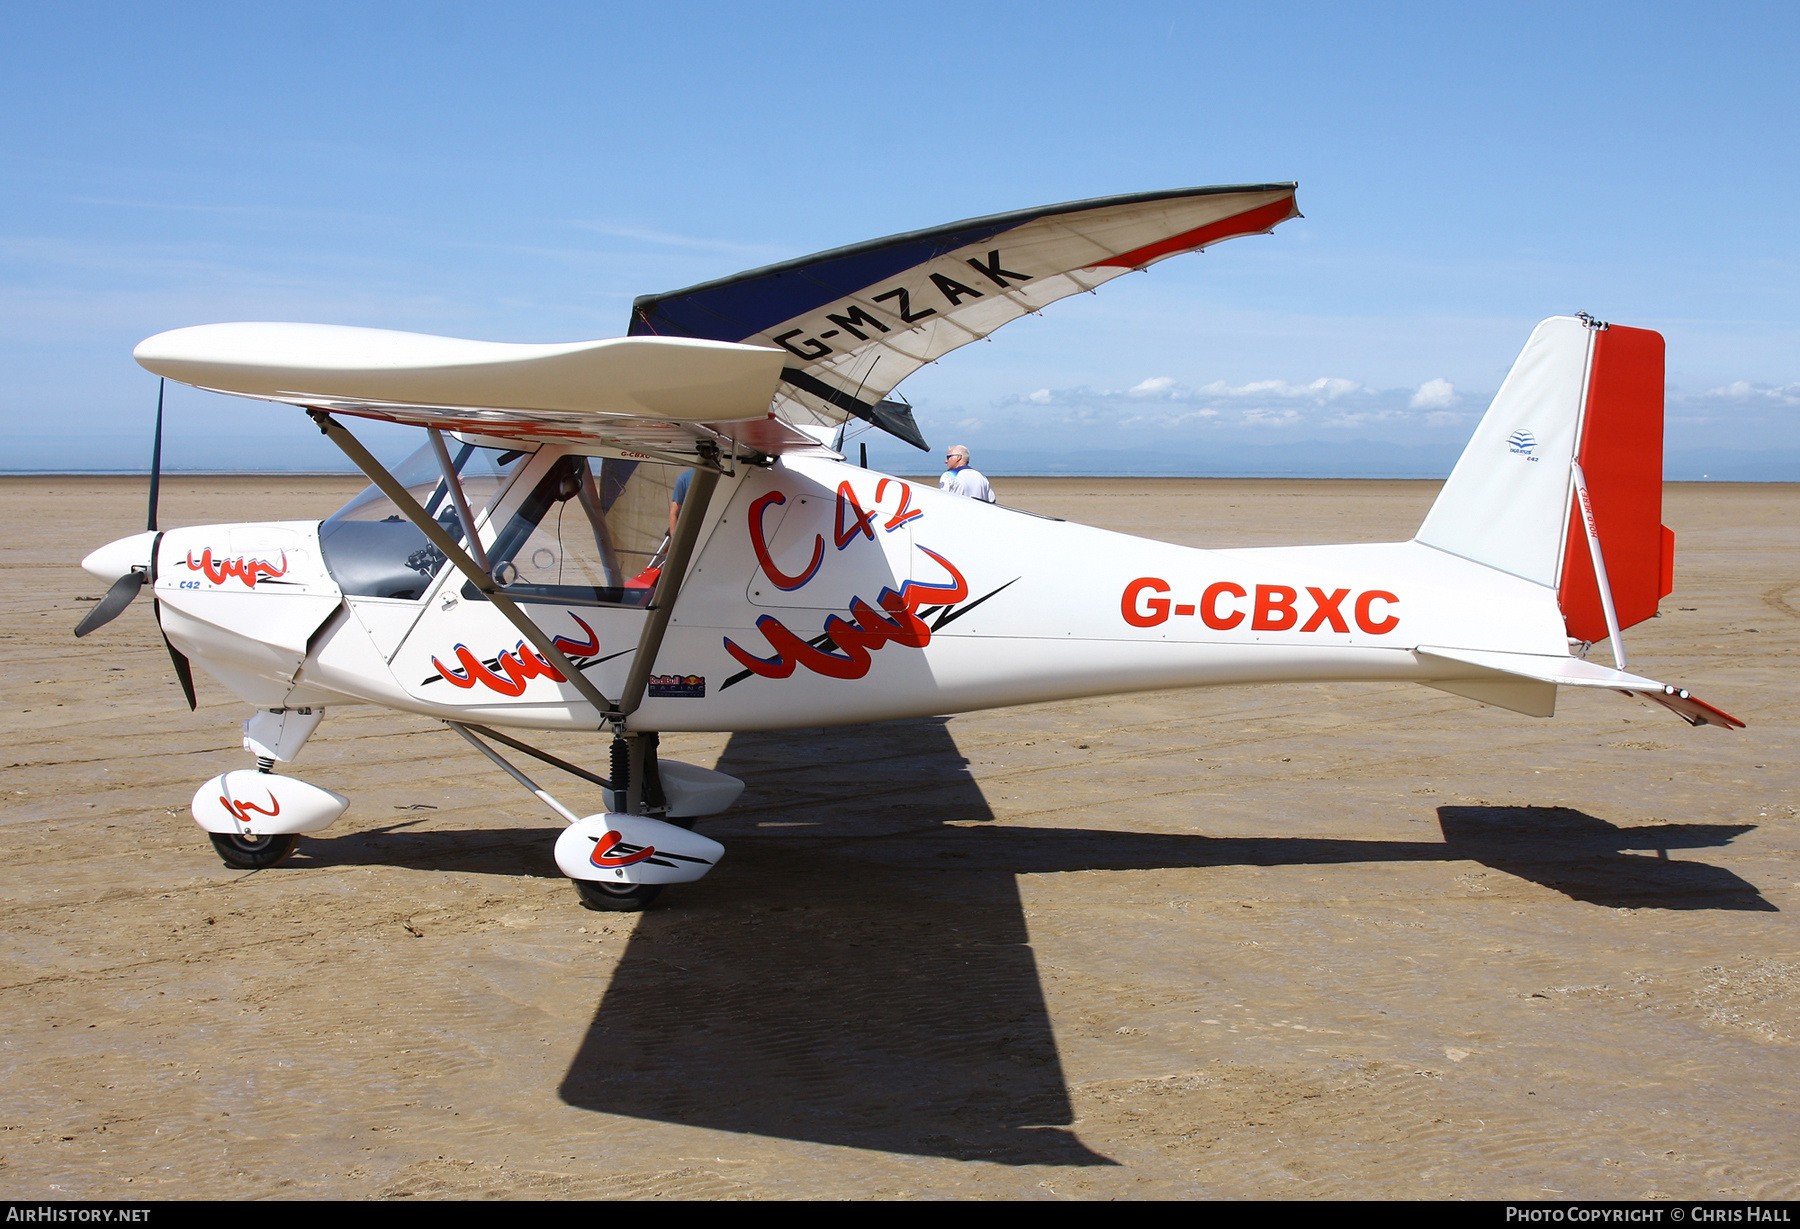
<point>1256,221</point>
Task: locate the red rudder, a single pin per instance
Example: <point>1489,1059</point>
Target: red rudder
<point>1621,453</point>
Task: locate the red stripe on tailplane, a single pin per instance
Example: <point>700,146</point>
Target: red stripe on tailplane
<point>1690,709</point>
<point>1621,453</point>
<point>1258,221</point>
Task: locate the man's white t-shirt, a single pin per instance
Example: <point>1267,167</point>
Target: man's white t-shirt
<point>966,481</point>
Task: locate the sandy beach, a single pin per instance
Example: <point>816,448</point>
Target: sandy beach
<point>1367,941</point>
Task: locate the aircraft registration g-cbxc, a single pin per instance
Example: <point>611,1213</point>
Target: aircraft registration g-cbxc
<point>656,533</point>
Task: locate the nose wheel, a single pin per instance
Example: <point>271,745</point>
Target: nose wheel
<point>255,853</point>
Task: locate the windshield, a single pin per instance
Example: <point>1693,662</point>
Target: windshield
<point>483,472</point>
<point>592,532</point>
<point>372,550</point>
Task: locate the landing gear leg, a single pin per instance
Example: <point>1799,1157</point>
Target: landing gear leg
<point>636,799</point>
<point>636,788</point>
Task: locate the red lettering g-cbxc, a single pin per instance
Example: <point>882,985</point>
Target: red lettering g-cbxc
<point>1366,620</point>
<point>1155,610</point>
<point>1275,608</point>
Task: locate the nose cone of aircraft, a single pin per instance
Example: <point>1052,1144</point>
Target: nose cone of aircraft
<point>116,559</point>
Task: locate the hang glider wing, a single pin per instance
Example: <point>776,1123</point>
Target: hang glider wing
<point>651,394</point>
<point>853,322</point>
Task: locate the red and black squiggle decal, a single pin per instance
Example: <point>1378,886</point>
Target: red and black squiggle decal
<point>245,569</point>
<point>240,811</point>
<point>896,621</point>
<point>604,857</point>
<point>517,666</point>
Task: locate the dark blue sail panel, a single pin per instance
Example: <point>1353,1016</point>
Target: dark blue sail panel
<point>743,306</point>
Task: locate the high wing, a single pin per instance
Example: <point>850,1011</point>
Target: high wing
<point>855,321</point>
<point>659,396</point>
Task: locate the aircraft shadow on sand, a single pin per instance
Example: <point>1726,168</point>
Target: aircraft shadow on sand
<point>858,972</point>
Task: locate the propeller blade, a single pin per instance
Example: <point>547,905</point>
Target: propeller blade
<point>183,671</point>
<point>156,456</point>
<point>114,603</point>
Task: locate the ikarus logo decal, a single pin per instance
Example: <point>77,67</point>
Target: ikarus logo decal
<point>1521,443</point>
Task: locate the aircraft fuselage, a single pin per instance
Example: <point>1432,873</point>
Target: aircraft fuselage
<point>824,594</point>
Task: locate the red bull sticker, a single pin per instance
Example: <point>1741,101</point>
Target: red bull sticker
<point>691,686</point>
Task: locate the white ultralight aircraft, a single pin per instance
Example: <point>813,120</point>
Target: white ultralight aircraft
<point>655,533</point>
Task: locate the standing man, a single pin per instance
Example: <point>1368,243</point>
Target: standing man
<point>959,479</point>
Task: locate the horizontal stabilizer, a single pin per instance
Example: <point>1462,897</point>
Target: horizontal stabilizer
<point>1497,670</point>
<point>1545,668</point>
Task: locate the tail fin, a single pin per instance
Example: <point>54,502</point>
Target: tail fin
<point>1581,390</point>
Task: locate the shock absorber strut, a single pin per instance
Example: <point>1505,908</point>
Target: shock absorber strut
<point>621,769</point>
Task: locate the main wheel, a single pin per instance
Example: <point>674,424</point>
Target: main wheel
<point>254,853</point>
<point>616,897</point>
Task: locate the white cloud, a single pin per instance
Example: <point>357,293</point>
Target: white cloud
<point>1434,395</point>
<point>970,424</point>
<point>1152,386</point>
<point>1338,407</point>
<point>1744,390</point>
<point>1326,388</point>
<point>1161,418</point>
<point>1271,418</point>
<point>1332,389</point>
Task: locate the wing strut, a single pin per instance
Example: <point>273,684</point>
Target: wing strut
<point>574,770</point>
<point>434,533</point>
<point>543,794</point>
<point>668,586</point>
<point>453,483</point>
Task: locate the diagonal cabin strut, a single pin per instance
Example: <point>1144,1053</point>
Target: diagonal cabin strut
<point>434,533</point>
<point>662,601</point>
<point>668,585</point>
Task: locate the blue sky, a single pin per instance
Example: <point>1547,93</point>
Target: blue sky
<point>521,173</point>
